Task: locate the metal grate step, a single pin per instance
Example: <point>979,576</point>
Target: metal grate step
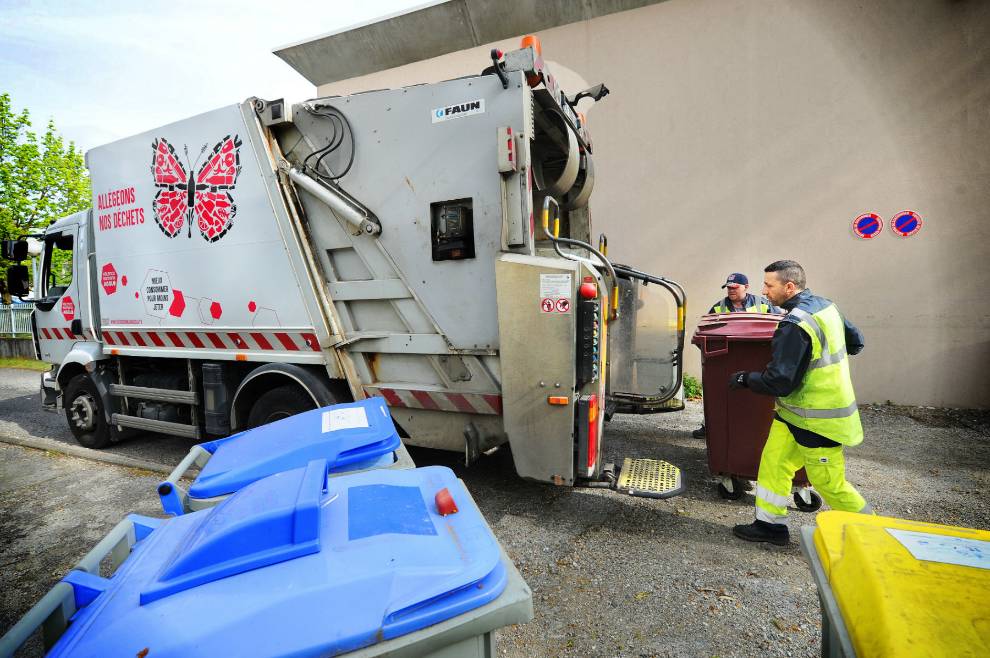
<point>651,478</point>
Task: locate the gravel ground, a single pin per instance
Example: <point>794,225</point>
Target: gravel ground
<point>611,575</point>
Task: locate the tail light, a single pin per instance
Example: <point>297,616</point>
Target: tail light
<point>587,420</point>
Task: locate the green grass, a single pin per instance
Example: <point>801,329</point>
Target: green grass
<point>25,364</point>
<point>692,388</point>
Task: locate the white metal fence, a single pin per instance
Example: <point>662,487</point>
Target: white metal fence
<point>15,319</point>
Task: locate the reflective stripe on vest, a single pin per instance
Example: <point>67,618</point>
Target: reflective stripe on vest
<point>824,402</point>
<point>759,307</point>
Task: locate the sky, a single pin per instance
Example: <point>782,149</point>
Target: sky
<point>107,70</point>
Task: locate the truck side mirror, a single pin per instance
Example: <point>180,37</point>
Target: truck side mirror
<point>17,279</point>
<point>15,250</point>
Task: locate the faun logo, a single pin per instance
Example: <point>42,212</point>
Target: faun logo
<point>459,110</point>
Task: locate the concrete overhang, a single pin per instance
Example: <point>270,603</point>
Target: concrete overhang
<point>434,29</point>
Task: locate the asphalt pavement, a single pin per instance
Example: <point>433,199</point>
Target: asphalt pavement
<point>611,575</point>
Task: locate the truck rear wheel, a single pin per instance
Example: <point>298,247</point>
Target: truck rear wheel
<point>84,411</point>
<point>279,403</point>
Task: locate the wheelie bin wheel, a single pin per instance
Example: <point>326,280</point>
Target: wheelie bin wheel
<point>813,506</point>
<point>738,488</point>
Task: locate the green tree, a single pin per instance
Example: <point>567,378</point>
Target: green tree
<point>41,179</point>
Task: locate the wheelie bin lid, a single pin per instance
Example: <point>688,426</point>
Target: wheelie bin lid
<point>738,326</point>
<point>295,564</point>
<point>905,587</point>
<point>348,436</point>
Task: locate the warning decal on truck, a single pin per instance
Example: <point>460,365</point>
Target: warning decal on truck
<point>555,293</point>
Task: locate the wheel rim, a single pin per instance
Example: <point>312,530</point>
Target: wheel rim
<point>83,412</point>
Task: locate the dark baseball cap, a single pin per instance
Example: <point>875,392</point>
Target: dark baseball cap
<point>736,278</point>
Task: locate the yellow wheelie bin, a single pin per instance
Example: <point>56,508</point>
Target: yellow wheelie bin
<point>892,587</point>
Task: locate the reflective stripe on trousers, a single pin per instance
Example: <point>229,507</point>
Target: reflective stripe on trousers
<point>783,457</point>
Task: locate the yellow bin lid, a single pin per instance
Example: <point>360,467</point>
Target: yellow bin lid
<point>907,588</point>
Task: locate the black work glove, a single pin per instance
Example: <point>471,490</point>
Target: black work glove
<point>738,380</point>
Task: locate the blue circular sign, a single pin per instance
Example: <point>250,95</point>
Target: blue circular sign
<point>906,223</point>
<point>868,226</point>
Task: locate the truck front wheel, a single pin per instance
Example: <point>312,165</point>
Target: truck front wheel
<point>279,403</point>
<point>84,411</point>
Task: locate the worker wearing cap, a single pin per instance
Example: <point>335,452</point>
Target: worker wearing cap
<point>737,300</point>
<point>815,411</point>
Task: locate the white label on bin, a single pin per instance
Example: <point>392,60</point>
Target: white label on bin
<point>344,419</point>
<point>943,548</point>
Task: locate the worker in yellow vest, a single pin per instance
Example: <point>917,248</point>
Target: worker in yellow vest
<point>815,411</point>
<point>737,300</point>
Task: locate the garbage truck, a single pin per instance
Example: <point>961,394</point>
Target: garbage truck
<point>430,244</point>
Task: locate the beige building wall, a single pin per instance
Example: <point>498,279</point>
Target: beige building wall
<point>739,132</point>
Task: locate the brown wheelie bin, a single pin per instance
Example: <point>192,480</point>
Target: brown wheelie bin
<point>737,422</point>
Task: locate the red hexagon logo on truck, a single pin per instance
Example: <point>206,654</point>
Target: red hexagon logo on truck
<point>68,308</point>
<point>178,306</point>
<point>108,279</point>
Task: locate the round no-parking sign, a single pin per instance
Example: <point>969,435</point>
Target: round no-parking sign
<point>906,223</point>
<point>868,226</point>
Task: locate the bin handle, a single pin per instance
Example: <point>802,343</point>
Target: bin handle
<point>175,499</point>
<point>719,345</point>
<point>55,609</point>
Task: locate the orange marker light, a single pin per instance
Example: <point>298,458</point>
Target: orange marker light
<point>561,400</point>
<point>531,40</point>
<point>240,357</point>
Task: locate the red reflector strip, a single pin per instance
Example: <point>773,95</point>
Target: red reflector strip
<point>107,338</point>
<point>391,397</point>
<point>174,337</point>
<point>261,341</point>
<point>424,399</point>
<point>287,342</point>
<point>44,332</point>
<point>461,403</point>
<point>194,339</point>
<point>217,343</point>
<point>311,342</point>
<point>238,341</point>
<point>156,339</point>
<point>122,338</point>
<point>495,402</point>
<point>137,339</point>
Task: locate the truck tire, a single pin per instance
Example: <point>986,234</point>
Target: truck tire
<point>84,412</point>
<point>279,403</point>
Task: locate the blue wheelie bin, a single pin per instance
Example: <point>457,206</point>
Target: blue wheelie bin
<point>383,562</point>
<point>352,437</point>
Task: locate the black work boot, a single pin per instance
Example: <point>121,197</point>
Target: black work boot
<point>775,533</point>
<point>700,433</point>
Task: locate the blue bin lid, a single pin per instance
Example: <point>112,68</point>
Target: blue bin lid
<point>296,564</point>
<point>346,435</point>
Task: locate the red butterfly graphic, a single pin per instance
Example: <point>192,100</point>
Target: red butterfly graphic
<point>208,198</point>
